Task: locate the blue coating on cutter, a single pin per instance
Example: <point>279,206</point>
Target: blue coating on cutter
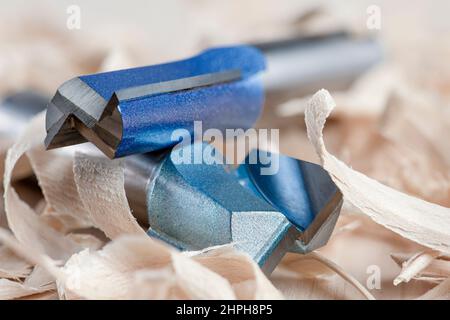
<point>197,205</point>
<point>298,189</point>
<point>148,121</point>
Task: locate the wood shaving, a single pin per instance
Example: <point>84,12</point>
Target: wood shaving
<point>100,180</point>
<point>420,221</point>
<point>426,266</point>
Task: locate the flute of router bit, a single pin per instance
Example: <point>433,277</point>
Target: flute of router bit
<point>195,206</point>
<point>136,110</point>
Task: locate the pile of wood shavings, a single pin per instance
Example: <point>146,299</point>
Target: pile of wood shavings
<point>386,245</point>
<point>44,255</point>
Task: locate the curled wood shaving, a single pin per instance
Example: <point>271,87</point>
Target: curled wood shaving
<point>420,221</point>
<point>54,171</point>
<point>100,184</point>
<point>26,225</point>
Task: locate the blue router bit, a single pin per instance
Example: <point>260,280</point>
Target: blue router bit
<point>136,110</point>
<point>195,206</point>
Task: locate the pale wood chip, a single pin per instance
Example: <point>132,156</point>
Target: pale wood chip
<point>426,266</point>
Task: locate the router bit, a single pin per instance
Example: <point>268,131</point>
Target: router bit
<point>136,110</point>
<point>195,206</point>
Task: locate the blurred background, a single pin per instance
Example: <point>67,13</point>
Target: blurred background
<point>41,46</point>
<point>392,123</point>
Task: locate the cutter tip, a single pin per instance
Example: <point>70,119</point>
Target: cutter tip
<point>77,114</point>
